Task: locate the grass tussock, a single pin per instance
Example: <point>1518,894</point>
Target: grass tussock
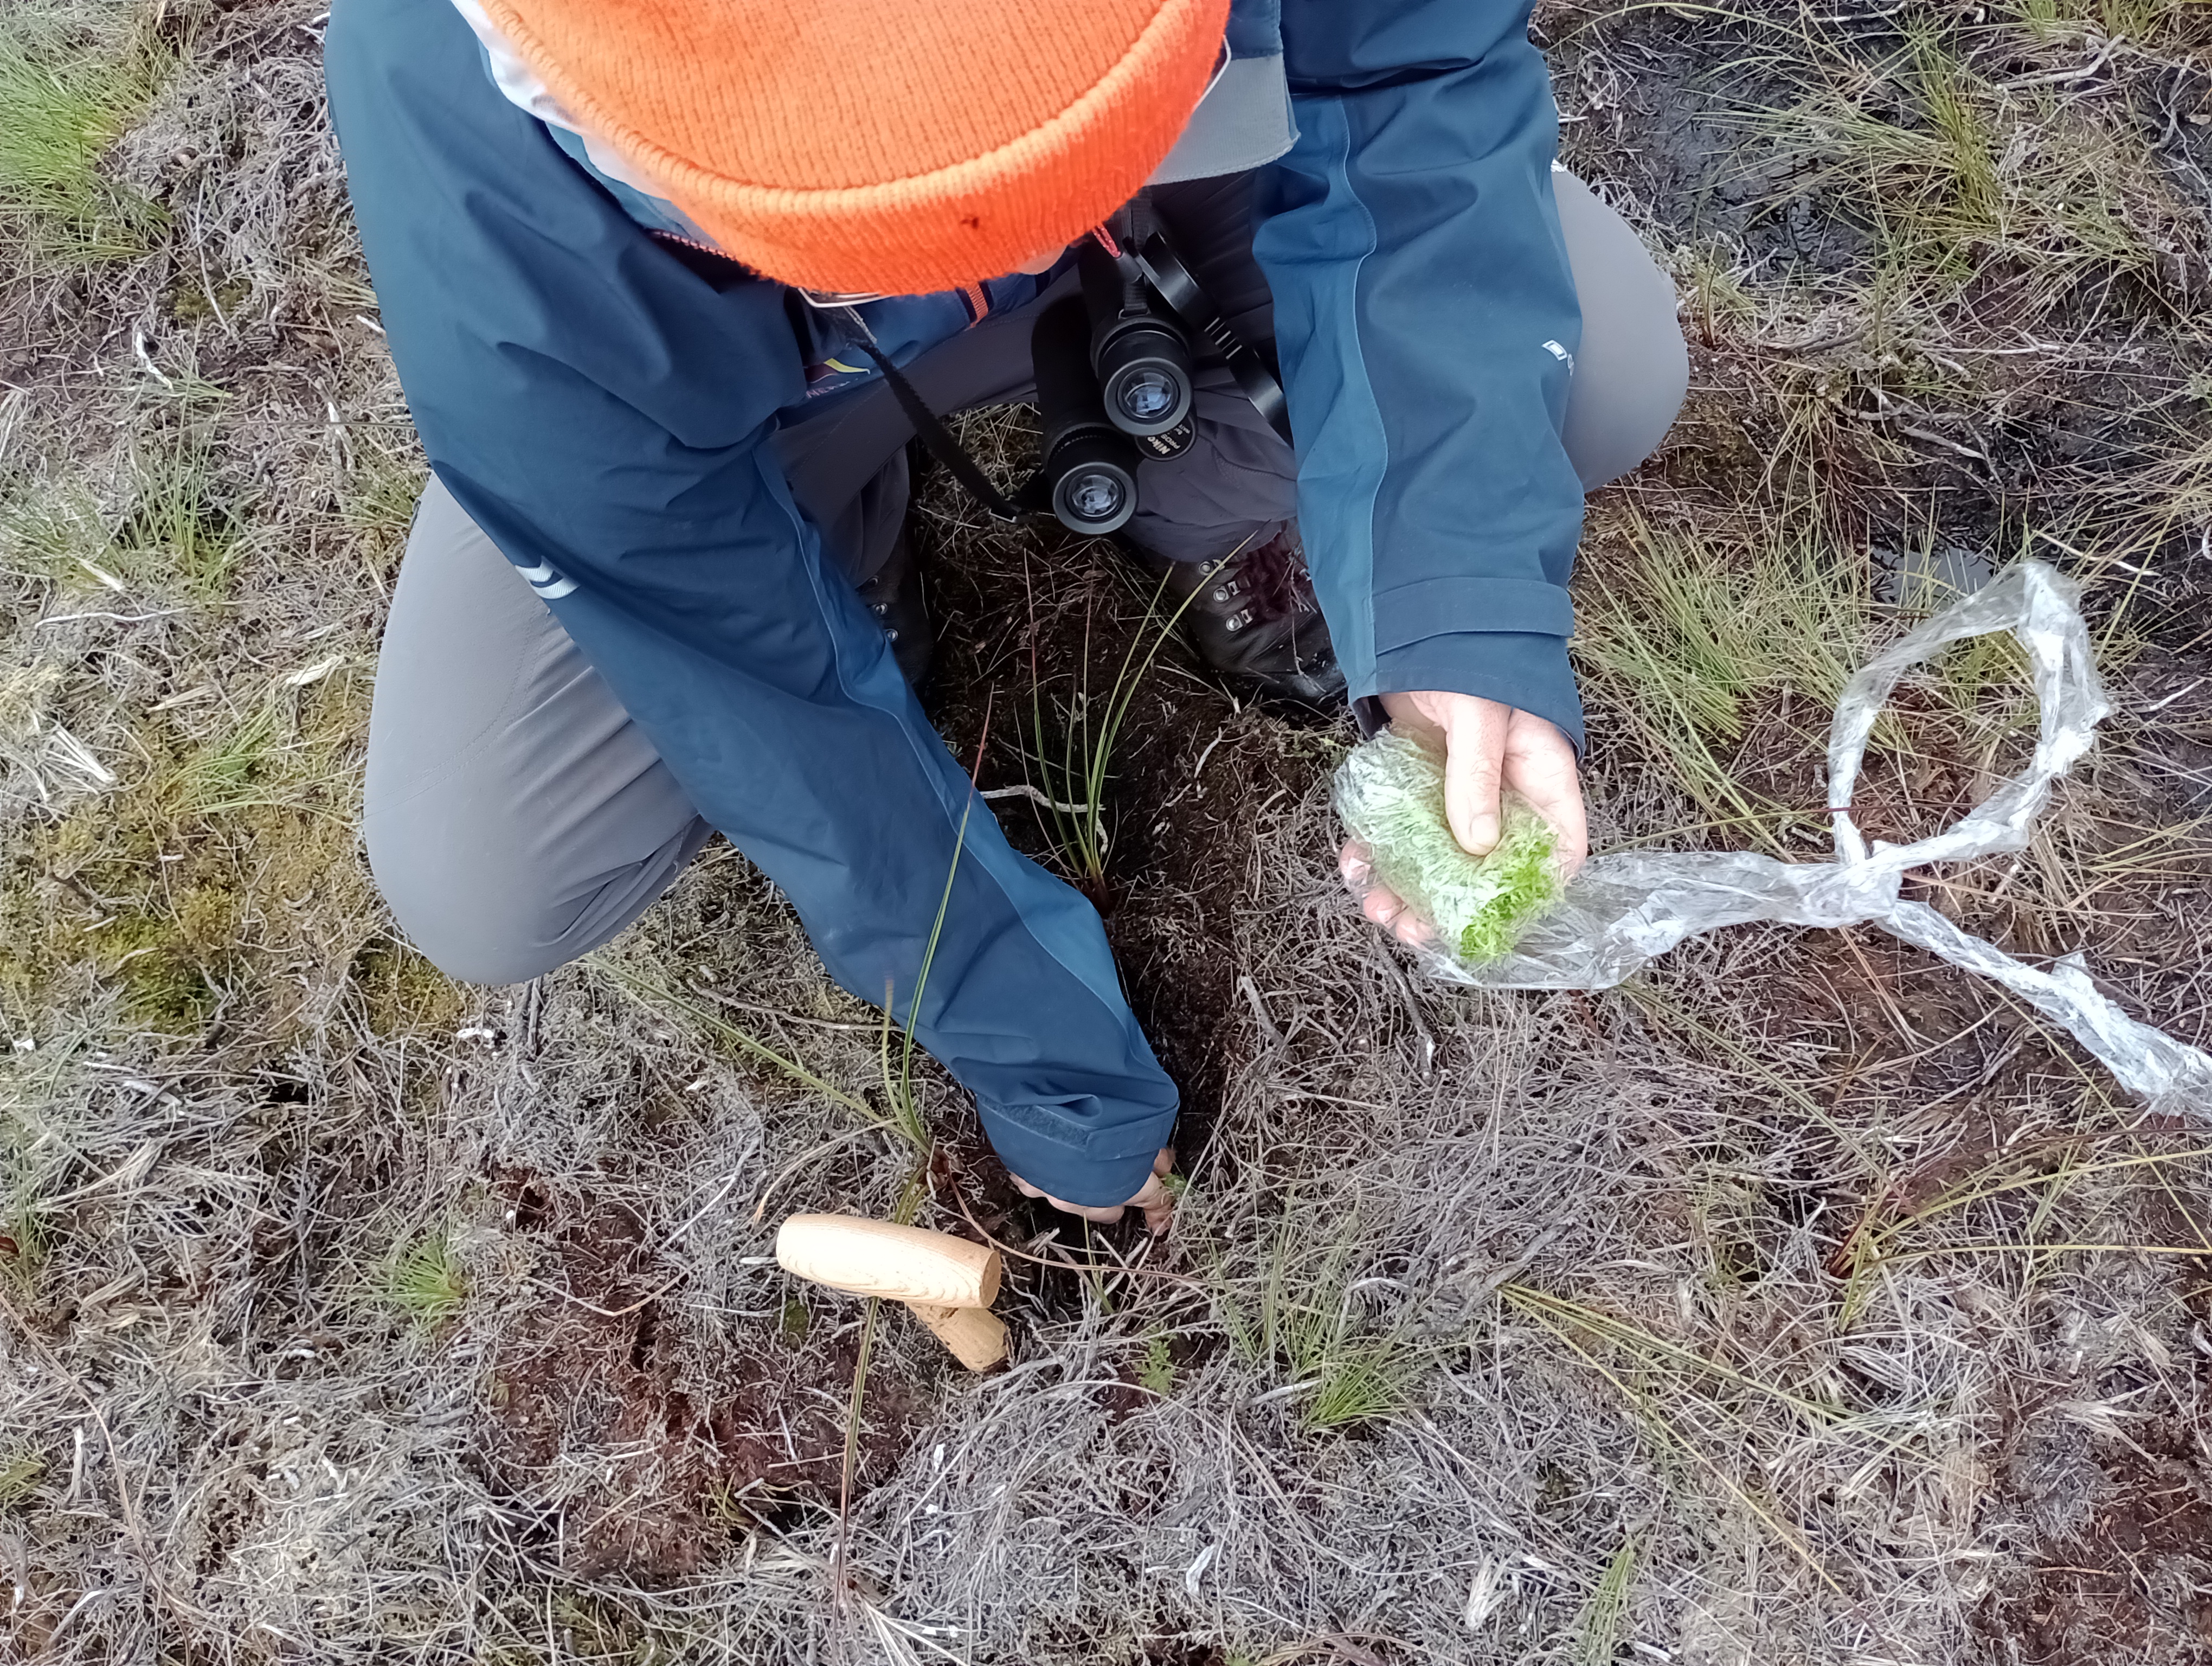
<point>1967,165</point>
<point>67,94</point>
<point>1799,1300</point>
<point>425,1280</point>
<point>1719,642</point>
<point>183,531</point>
<point>1072,741</point>
<point>2158,24</point>
<point>177,528</point>
<point>1308,1323</point>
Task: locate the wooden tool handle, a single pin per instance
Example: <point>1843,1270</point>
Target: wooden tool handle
<point>976,1335</point>
<point>875,1258</point>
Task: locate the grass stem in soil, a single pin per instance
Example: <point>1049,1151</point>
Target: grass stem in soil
<point>1073,786</point>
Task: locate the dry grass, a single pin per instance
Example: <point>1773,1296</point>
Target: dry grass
<point>1797,1302</point>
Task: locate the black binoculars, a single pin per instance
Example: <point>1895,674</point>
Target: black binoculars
<point>1114,386</point>
<point>1112,368</point>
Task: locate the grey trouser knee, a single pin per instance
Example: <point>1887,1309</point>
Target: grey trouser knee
<point>517,817</point>
<point>1634,368</point>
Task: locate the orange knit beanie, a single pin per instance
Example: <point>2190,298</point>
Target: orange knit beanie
<point>894,146</point>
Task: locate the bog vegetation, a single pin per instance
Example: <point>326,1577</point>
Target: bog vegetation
<point>1800,1299</point>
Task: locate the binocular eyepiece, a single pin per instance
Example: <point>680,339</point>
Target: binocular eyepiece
<point>1089,471</point>
<point>1114,386</point>
<point>1138,348</point>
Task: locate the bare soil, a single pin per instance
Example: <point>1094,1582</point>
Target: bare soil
<point>1197,766</point>
<point>1751,1311</point>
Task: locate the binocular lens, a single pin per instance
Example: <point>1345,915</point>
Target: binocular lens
<point>1095,496</point>
<point>1089,465</point>
<point>1147,372</point>
<point>1147,394</point>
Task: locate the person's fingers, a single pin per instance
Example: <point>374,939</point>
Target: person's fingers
<point>1098,1216</point>
<point>1355,863</point>
<point>1378,902</point>
<point>1157,1202</point>
<point>1386,909</point>
<point>1153,1197</point>
<point>1475,763</point>
<point>1381,906</point>
<point>1540,765</point>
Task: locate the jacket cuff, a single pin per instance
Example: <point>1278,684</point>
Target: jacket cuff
<point>1098,1169</point>
<point>1526,670</point>
<point>1405,614</point>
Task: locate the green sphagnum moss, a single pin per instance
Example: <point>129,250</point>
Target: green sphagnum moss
<point>1390,793</point>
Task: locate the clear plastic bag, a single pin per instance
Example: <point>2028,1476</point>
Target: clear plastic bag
<point>1625,909</point>
<point>1390,795</point>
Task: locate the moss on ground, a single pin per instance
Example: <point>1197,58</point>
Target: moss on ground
<point>404,993</point>
<point>21,1471</point>
<point>228,858</point>
<point>192,301</point>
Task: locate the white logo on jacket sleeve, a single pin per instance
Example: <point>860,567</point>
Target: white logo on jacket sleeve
<point>549,584</point>
<point>1561,355</point>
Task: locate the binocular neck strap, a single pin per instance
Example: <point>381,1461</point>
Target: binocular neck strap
<point>1164,270</point>
<point>933,434</point>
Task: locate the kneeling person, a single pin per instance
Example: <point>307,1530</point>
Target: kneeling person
<point>643,268</point>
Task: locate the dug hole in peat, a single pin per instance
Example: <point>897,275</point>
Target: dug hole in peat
<point>365,1315</point>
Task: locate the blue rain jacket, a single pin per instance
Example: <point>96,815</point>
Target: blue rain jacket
<point>602,409</point>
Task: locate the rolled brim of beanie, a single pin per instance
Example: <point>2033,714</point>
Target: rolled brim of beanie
<point>972,218</point>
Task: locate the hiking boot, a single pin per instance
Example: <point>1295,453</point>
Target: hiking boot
<point>894,596</point>
<point>1255,619</point>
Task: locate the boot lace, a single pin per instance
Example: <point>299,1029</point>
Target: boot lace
<point>1274,578</point>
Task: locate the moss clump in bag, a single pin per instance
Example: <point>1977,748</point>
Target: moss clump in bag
<point>1390,793</point>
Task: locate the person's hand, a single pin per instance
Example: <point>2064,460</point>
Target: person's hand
<point>1153,1197</point>
<point>1487,746</point>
